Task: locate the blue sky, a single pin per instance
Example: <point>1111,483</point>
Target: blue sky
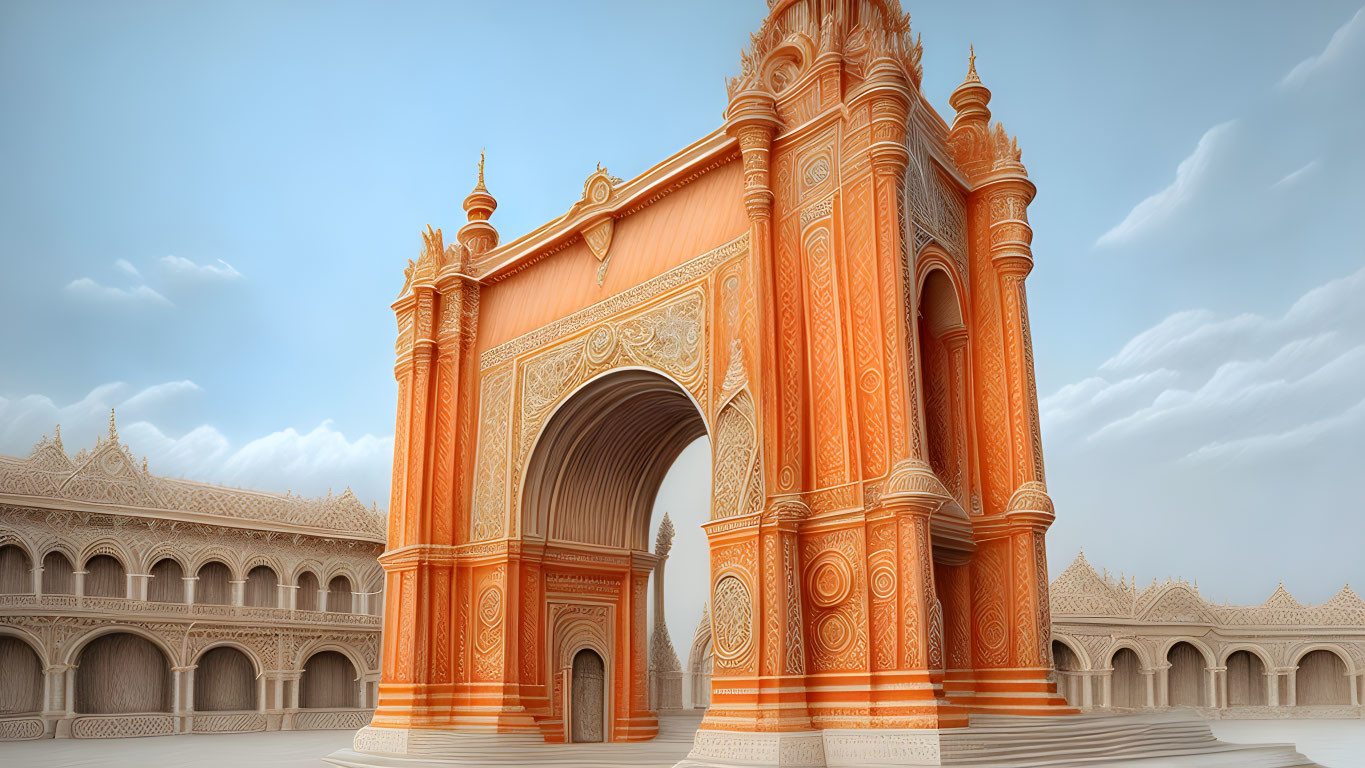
<point>206,210</point>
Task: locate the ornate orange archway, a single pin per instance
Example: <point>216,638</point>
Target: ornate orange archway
<point>831,287</point>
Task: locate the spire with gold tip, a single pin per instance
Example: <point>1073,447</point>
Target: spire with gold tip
<point>971,99</point>
<point>478,236</point>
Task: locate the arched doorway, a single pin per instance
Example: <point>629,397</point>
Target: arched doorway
<point>122,673</point>
<point>16,571</point>
<point>1127,689</point>
<point>1066,663</point>
<point>21,678</point>
<point>339,595</point>
<point>224,680</point>
<point>262,587</point>
<point>1321,680</point>
<point>588,697</point>
<point>167,584</point>
<point>1185,678</point>
<point>590,488</point>
<point>1246,680</point>
<point>58,575</point>
<point>306,595</point>
<point>328,682</point>
<point>104,577</point>
<point>214,586</point>
<point>944,363</point>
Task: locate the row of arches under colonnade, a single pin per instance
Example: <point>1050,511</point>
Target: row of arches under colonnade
<point>168,580</point>
<point>123,681</point>
<point>1312,680</point>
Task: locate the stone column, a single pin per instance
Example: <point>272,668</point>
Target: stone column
<point>322,599</point>
<point>190,582</point>
<point>1218,687</point>
<point>79,576</point>
<point>237,589</point>
<point>69,694</point>
<point>1149,678</point>
<point>284,596</point>
<point>1272,684</point>
<point>1163,685</point>
<point>1292,675</point>
<point>665,670</point>
<point>1107,688</point>
<point>1355,690</point>
<point>37,572</point>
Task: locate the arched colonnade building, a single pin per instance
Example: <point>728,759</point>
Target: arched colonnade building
<point>136,605</point>
<point>1120,648</point>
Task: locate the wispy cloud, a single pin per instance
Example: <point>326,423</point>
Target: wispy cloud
<point>87,288</point>
<point>1198,384</point>
<point>1190,175</point>
<point>1349,34</point>
<point>182,267</point>
<point>123,265</point>
<point>1293,177</point>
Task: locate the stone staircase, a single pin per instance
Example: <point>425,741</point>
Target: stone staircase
<point>1153,740</point>
<point>1157,740</point>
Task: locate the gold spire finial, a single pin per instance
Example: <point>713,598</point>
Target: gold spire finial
<point>481,167</point>
<point>113,431</point>
<point>972,77</point>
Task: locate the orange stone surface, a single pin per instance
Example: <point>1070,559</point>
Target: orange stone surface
<point>831,288</point>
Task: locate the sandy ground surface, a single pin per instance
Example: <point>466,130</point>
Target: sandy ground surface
<point>1332,743</point>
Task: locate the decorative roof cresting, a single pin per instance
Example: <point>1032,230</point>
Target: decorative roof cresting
<point>107,478</point>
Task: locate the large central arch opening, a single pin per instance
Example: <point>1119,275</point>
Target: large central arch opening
<point>591,493</point>
<point>596,469</point>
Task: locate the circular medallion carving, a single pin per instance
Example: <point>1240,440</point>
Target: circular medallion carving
<point>834,631</point>
<point>599,191</point>
<point>882,578</point>
<point>732,614</point>
<point>830,579</point>
<point>601,343</point>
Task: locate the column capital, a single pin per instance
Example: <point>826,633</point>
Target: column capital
<point>913,488</point>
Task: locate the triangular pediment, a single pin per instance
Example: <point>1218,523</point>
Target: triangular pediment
<point>108,475</point>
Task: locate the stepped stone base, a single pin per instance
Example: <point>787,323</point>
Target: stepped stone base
<point>1159,740</point>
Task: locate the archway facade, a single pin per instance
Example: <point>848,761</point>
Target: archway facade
<point>1168,646</point>
<point>831,287</point>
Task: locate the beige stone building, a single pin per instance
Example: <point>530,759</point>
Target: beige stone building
<point>1121,648</point>
<point>132,604</point>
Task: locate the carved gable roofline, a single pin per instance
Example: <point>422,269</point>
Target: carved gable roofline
<point>684,166</point>
<point>1082,592</point>
<point>108,479</point>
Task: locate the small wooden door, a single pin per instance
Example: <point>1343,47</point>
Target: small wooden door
<point>589,697</point>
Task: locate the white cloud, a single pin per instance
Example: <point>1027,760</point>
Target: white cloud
<point>1337,47</point>
<point>183,267</point>
<point>1217,432</point>
<point>305,462</point>
<point>126,267</point>
<point>87,288</point>
<point>1293,177</point>
<point>1190,175</point>
<point>1197,376</point>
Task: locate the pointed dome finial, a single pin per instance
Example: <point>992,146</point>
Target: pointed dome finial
<point>477,235</point>
<point>113,430</point>
<point>972,98</point>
